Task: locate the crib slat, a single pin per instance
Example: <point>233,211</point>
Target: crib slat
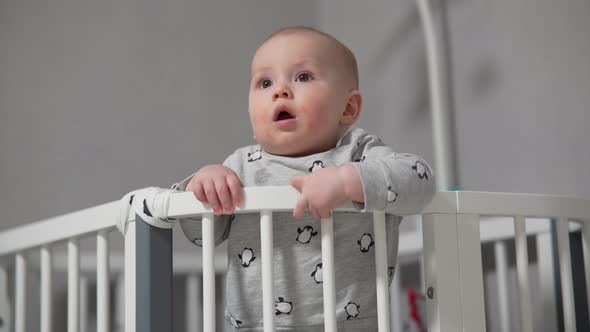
<point>266,251</point>
<point>21,293</point>
<point>5,314</point>
<point>83,304</point>
<point>381,276</point>
<point>46,267</point>
<point>208,273</point>
<point>546,274</point>
<point>130,272</point>
<point>565,269</point>
<point>522,266</point>
<point>501,260</point>
<point>102,282</point>
<point>194,309</point>
<point>586,248</point>
<point>395,296</point>
<point>329,280</point>
<point>73,285</point>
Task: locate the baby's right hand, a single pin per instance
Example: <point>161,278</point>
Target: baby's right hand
<point>218,186</point>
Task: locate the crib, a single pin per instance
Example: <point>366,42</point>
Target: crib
<point>450,250</point>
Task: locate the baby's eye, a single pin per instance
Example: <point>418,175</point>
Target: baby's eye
<point>265,83</point>
<point>304,77</point>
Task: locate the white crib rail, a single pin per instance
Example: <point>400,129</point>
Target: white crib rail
<point>452,255</point>
<point>42,236</point>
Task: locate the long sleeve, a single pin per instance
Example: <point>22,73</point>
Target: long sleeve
<point>400,184</point>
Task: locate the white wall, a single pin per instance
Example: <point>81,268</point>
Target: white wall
<point>522,76</point>
<point>101,97</point>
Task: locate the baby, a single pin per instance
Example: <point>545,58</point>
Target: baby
<point>304,98</point>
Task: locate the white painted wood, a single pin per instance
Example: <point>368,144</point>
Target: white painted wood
<point>522,266</point>
<point>130,275</point>
<point>395,298</point>
<point>501,260</point>
<point>102,282</point>
<point>382,279</point>
<point>266,251</point>
<point>46,281</point>
<point>470,271</point>
<point>73,286</point>
<point>565,269</point>
<point>5,308</point>
<point>83,304</point>
<point>586,248</point>
<point>441,264</point>
<point>208,272</point>
<point>530,205</point>
<point>20,307</point>
<point>547,305</point>
<point>193,307</point>
<point>59,228</point>
<point>328,275</point>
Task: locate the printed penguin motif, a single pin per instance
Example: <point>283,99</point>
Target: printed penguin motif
<point>256,155</point>
<point>360,160</point>
<point>421,170</point>
<point>246,257</point>
<point>146,210</point>
<point>391,195</point>
<point>131,199</point>
<point>317,274</point>
<point>283,307</point>
<point>305,234</point>
<point>318,164</point>
<point>365,242</point>
<point>234,322</point>
<point>352,310</point>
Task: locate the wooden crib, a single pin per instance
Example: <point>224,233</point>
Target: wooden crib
<point>451,253</point>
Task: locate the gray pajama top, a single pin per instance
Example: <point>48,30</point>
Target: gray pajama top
<point>399,184</point>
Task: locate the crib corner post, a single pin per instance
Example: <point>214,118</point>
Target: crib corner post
<point>153,278</point>
<point>453,280</point>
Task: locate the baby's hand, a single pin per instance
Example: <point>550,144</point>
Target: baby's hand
<point>218,186</point>
<point>325,189</point>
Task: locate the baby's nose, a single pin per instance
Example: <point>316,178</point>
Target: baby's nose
<point>282,92</point>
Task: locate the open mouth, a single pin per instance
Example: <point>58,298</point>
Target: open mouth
<point>283,113</point>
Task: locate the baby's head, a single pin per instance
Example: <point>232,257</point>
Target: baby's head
<point>303,92</point>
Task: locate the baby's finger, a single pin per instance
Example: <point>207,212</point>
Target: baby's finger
<point>314,212</point>
<point>235,187</point>
<point>212,198</point>
<point>199,193</point>
<point>300,207</point>
<point>224,195</point>
<point>324,213</point>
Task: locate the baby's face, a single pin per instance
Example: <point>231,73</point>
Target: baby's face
<point>298,93</point>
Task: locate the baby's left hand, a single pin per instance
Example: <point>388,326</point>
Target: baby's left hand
<point>325,189</point>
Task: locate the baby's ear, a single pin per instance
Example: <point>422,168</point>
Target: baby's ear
<point>353,108</point>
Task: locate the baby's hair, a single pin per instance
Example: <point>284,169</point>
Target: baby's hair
<point>347,56</point>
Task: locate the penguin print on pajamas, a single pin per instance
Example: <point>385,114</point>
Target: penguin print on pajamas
<point>317,274</point>
<point>283,307</point>
<point>131,199</point>
<point>256,155</point>
<point>391,195</point>
<point>365,242</point>
<point>421,170</point>
<point>318,164</point>
<point>146,210</point>
<point>360,160</point>
<point>352,310</point>
<point>305,234</point>
<point>234,322</point>
<point>246,257</point>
